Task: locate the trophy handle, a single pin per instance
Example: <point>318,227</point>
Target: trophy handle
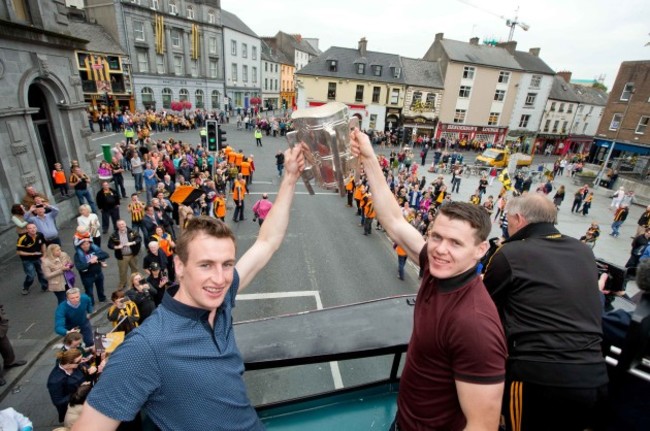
<point>338,164</point>
<point>308,172</point>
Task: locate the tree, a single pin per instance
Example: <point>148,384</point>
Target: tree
<point>599,86</point>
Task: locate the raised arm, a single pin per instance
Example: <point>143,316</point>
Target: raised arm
<point>275,225</point>
<point>388,211</point>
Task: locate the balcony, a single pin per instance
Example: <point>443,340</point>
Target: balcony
<point>89,86</point>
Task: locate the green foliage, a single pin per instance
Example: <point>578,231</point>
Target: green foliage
<point>599,86</point>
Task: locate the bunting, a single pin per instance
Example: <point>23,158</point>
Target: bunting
<point>195,49</point>
<point>159,30</point>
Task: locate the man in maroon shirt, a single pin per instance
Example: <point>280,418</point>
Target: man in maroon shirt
<point>454,374</point>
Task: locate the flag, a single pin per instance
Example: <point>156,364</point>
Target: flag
<point>185,195</point>
<point>504,178</point>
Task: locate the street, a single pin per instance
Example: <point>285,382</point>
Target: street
<point>324,261</point>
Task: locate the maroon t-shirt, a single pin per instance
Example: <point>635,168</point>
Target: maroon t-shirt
<point>457,335</point>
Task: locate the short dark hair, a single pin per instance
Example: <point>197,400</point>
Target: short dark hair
<point>17,209</point>
<point>201,225</point>
<point>475,215</point>
<point>643,275</point>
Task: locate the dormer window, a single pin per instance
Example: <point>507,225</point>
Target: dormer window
<point>332,65</point>
<point>172,8</point>
<point>396,71</point>
<point>376,70</point>
<point>361,68</point>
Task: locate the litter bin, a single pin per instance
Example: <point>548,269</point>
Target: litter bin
<point>106,151</point>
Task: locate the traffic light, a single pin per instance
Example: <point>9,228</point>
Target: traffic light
<point>211,127</point>
<point>221,137</point>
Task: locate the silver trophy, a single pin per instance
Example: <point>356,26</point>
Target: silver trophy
<point>326,131</point>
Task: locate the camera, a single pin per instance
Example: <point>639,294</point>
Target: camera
<point>616,279</point>
<point>143,281</point>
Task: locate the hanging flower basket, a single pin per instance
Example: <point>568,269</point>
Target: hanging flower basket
<point>176,105</point>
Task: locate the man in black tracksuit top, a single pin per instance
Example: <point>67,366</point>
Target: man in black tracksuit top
<point>545,286</point>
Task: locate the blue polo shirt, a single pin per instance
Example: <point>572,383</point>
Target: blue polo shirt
<point>184,374</point>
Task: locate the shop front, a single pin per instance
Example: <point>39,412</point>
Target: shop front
<point>451,133</point>
<point>393,119</point>
<point>420,126</point>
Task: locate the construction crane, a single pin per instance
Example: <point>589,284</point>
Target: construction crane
<point>512,23</point>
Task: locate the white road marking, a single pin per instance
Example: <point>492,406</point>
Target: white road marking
<point>334,366</point>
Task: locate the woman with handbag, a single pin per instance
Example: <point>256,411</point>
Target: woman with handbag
<point>56,264</point>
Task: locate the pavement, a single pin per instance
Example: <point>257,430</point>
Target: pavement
<point>32,316</point>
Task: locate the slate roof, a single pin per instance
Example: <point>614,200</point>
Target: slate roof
<point>590,95</point>
<point>273,55</point>
<point>563,91</point>
<point>232,21</point>
<point>347,57</point>
<point>99,40</point>
<point>422,73</point>
<point>485,55</point>
<point>532,63</point>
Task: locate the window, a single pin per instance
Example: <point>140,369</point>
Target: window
<point>183,95</point>
<point>155,4</point>
<point>160,64</point>
<point>376,93</point>
<point>332,65</point>
<point>642,126</point>
<point>213,68</point>
<point>556,124</point>
<point>178,65</point>
<point>376,70</point>
<point>396,72</point>
<point>464,91</point>
<point>627,91</point>
<point>138,30</point>
<point>547,125</point>
<point>535,81</point>
<point>493,120</point>
<point>361,68</point>
<point>394,96</point>
<point>244,73</point>
<point>616,122</point>
<point>266,83</point>
<point>500,95</point>
<point>254,75</point>
<point>212,45</point>
<point>276,84</point>
<point>216,97</point>
<point>233,72</point>
<point>198,96</point>
<point>504,77</point>
<point>244,50</point>
<point>176,38</point>
<point>431,101</point>
<point>530,99</point>
<point>143,62</point>
<point>276,68</point>
<point>358,97</point>
<point>553,106</point>
<point>172,7</point>
<point>233,47</point>
<point>569,108</point>
<point>212,18</point>
<point>190,13</point>
<point>468,72</point>
<point>195,67</point>
<point>147,96</point>
<point>459,116</point>
<point>523,122</point>
<point>417,97</point>
<point>564,126</point>
<point>254,52</point>
<point>266,67</point>
<point>331,91</point>
<point>561,109</point>
<point>167,98</point>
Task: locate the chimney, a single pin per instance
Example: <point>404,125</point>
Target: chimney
<point>534,51</point>
<point>439,37</point>
<point>565,74</point>
<point>473,41</point>
<point>363,45</point>
<point>510,46</point>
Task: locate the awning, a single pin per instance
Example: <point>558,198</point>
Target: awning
<point>620,146</point>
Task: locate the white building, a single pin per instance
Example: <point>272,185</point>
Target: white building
<point>272,61</point>
<point>242,60</point>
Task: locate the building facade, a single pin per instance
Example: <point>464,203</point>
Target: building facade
<point>243,60</point>
<point>175,47</point>
<point>271,76</point>
<point>423,97</point>
<point>626,117</point>
<point>43,117</point>
<point>372,84</point>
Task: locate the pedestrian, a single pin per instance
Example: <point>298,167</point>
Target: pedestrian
<point>402,257</point>
<point>18,218</point>
<point>559,197</point>
<point>197,313</point>
<point>238,195</point>
<point>108,201</point>
<point>552,322</point>
<point>31,248</point>
<point>80,182</point>
<point>644,222</point>
<point>349,189</point>
<point>619,218</point>
<point>9,359</point>
<point>118,176</point>
<point>44,217</point>
<point>586,204</point>
<point>55,264</point>
<point>72,316</point>
<point>137,169</point>
<point>592,234</point>
<point>454,323</point>
<point>639,245</point>
<point>369,214</point>
<point>60,180</point>
<point>578,197</point>
<point>261,209</point>
<point>492,175</point>
<point>258,136</point>
<point>617,198</point>
<point>126,243</point>
<point>456,176</point>
<point>89,261</point>
<point>123,314</point>
<point>150,181</point>
<point>142,294</point>
<point>64,380</point>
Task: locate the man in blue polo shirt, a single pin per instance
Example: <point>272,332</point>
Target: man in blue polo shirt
<point>182,366</point>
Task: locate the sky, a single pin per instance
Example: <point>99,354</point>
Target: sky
<point>587,37</point>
